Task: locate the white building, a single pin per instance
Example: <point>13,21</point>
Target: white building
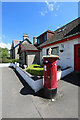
<point>65,42</point>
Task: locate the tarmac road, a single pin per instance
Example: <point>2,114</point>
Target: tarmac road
<point>20,101</point>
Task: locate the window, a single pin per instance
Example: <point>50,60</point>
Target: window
<point>38,41</point>
<point>55,51</point>
<point>21,56</point>
<point>45,37</point>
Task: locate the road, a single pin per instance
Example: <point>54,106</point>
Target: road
<point>20,101</point>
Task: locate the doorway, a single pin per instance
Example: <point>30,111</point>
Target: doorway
<point>77,57</point>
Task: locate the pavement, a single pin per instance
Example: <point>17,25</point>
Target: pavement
<point>20,101</point>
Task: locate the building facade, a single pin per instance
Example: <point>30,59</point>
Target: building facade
<point>28,54</point>
<point>15,46</point>
<point>66,43</point>
<point>14,49</point>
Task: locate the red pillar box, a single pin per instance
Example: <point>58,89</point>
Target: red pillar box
<point>50,75</point>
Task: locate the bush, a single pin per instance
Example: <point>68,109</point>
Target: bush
<point>15,60</point>
<point>42,65</point>
<point>5,60</point>
<point>35,69</point>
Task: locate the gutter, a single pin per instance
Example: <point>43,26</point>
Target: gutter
<point>74,36</point>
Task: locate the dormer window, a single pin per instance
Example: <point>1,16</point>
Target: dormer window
<point>38,41</point>
<point>45,37</point>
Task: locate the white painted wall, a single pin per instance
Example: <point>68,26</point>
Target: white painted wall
<point>5,64</point>
<point>66,57</point>
<point>38,84</point>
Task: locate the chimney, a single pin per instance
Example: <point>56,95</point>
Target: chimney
<point>25,36</point>
<point>34,40</point>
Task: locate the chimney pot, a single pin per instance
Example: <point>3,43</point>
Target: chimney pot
<point>25,36</point>
<point>34,40</point>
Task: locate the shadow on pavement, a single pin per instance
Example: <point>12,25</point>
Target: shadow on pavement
<point>26,90</point>
<point>73,78</point>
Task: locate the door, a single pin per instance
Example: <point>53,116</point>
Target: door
<point>77,57</point>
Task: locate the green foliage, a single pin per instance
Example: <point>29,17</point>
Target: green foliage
<point>35,69</point>
<point>5,60</point>
<point>15,60</point>
<point>41,65</point>
<point>4,53</point>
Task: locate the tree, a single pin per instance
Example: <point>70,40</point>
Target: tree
<point>4,52</point>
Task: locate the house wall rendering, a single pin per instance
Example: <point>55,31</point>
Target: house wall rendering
<point>67,56</point>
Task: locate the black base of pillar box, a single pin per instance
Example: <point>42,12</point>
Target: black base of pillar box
<point>50,93</point>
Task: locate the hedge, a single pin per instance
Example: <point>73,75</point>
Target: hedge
<point>5,60</point>
<point>35,69</point>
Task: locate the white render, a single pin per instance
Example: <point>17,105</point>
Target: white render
<point>38,84</point>
<point>66,57</point>
<point>5,64</point>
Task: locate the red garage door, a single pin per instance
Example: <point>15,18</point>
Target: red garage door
<point>77,57</point>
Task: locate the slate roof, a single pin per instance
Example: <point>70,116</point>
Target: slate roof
<point>67,30</point>
<point>28,47</point>
<point>22,42</point>
<point>49,31</point>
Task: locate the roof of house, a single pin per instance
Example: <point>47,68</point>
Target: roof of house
<point>67,30</point>
<point>49,31</point>
<point>28,47</point>
<point>22,42</point>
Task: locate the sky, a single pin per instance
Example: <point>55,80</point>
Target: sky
<point>34,18</point>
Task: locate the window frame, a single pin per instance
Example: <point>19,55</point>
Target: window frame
<point>52,50</point>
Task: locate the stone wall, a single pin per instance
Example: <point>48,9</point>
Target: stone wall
<point>16,50</point>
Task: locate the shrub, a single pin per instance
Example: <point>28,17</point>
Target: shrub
<point>15,60</point>
<point>42,65</point>
<point>5,60</point>
<point>35,69</point>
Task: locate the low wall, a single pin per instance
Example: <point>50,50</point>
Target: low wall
<point>35,85</point>
<point>38,84</point>
<point>61,74</point>
<point>66,72</point>
<point>5,64</point>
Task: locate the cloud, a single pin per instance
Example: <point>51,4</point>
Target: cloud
<point>46,2</point>
<point>50,7</point>
<point>42,13</point>
<point>4,45</point>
